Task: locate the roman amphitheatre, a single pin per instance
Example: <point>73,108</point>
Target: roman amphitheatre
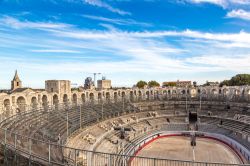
<point>164,126</point>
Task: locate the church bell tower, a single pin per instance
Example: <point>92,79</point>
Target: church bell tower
<point>16,82</point>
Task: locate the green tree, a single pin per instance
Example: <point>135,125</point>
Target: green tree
<point>206,84</point>
<point>237,80</point>
<point>224,83</point>
<point>141,84</point>
<point>166,84</point>
<point>153,84</point>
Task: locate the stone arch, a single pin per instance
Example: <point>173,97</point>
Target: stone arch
<point>83,98</point>
<point>214,91</point>
<point>92,97</point>
<point>123,94</point>
<point>139,95</point>
<point>44,101</point>
<point>21,103</point>
<point>203,92</point>
<point>115,96</point>
<point>55,100</point>
<point>147,95</point>
<point>34,102</point>
<point>99,97</point>
<point>225,91</point>
<point>6,104</point>
<point>108,96</point>
<point>65,99</point>
<point>131,95</point>
<point>237,92</point>
<point>74,98</point>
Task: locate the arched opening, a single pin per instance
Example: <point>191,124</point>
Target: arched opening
<point>139,95</point>
<point>99,97</point>
<point>123,95</point>
<point>34,103</point>
<point>91,97</point>
<point>214,92</point>
<point>115,96</point>
<point>65,99</point>
<point>74,99</point>
<point>131,96</point>
<point>21,103</point>
<point>237,92</point>
<point>83,98</point>
<point>225,92</point>
<point>183,91</point>
<point>107,96</point>
<point>156,95</point>
<point>147,95</point>
<point>44,101</point>
<point>55,101</point>
<point>6,104</point>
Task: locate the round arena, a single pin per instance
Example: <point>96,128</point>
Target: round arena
<point>127,127</point>
<point>178,148</point>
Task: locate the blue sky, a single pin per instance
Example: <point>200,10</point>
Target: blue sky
<point>125,40</point>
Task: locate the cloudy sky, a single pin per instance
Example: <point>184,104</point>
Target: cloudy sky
<point>125,40</point>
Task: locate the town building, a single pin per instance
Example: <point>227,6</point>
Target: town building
<point>103,83</point>
<point>177,83</point>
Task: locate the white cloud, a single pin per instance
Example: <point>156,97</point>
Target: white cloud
<point>55,51</point>
<point>117,21</point>
<point>105,5</point>
<point>134,53</point>
<point>240,13</point>
<point>242,37</point>
<point>223,3</point>
<point>238,63</point>
<point>17,24</point>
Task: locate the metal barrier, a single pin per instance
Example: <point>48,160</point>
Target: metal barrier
<point>19,149</point>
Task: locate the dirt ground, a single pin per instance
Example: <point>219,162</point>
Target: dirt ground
<point>179,148</point>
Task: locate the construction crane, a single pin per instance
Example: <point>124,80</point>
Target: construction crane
<point>95,76</point>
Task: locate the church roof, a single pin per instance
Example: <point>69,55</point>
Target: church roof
<point>20,90</point>
<point>16,77</point>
